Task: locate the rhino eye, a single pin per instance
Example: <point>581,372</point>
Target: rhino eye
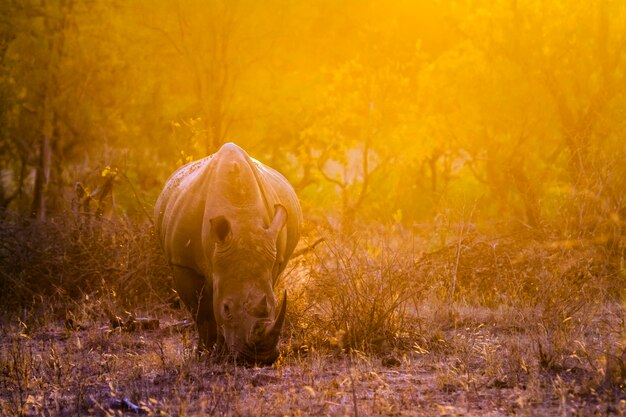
<point>226,310</point>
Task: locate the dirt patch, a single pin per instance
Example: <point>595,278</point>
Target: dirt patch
<point>479,369</point>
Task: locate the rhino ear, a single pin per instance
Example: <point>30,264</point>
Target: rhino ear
<point>279,221</point>
<point>220,229</point>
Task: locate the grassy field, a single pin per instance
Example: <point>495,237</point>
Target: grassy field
<point>380,322</point>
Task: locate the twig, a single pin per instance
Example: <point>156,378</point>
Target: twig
<point>459,246</point>
<point>139,200</point>
<point>307,249</point>
<point>456,263</point>
<point>354,401</point>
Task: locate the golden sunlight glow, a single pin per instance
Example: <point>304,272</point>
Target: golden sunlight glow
<point>459,243</point>
<point>395,111</point>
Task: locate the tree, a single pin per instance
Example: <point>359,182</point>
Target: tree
<point>574,53</point>
<point>32,62</point>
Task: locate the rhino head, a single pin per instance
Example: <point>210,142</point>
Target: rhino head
<point>244,266</point>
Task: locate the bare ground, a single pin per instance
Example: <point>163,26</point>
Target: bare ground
<point>480,364</point>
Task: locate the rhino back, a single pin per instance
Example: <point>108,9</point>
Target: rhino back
<point>228,183</point>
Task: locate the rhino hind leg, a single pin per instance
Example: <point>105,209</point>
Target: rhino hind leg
<point>198,298</point>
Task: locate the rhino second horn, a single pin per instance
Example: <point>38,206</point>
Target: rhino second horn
<point>273,331</point>
<point>261,310</point>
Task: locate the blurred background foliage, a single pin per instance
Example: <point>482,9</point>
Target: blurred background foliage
<point>378,111</point>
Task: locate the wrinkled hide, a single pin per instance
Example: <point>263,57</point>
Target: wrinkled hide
<point>228,225</point>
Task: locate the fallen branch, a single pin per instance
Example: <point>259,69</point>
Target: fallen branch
<point>127,405</point>
<point>132,323</point>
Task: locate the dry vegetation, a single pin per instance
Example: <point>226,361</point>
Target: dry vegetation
<point>377,325</point>
<point>407,128</point>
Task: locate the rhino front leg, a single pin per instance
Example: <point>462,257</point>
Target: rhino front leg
<point>198,298</point>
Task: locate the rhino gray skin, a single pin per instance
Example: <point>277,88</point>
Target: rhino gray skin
<point>228,225</point>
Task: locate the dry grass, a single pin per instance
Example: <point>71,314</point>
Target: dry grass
<point>480,368</point>
<point>376,326</point>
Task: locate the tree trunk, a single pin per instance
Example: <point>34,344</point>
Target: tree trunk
<point>532,205</point>
<point>55,34</point>
<point>42,178</point>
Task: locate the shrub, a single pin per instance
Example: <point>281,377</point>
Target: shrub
<point>70,258</point>
<point>357,293</point>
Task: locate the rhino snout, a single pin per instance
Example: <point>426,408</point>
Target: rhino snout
<point>266,332</point>
<point>261,345</point>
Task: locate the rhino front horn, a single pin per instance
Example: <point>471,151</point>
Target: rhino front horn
<point>273,331</point>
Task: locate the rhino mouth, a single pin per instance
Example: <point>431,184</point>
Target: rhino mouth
<point>247,355</point>
<point>251,356</point>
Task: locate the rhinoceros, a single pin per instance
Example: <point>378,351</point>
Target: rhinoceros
<point>228,225</point>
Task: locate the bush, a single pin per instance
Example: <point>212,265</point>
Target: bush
<point>522,270</point>
<point>357,293</point>
<point>369,290</point>
<point>70,258</point>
